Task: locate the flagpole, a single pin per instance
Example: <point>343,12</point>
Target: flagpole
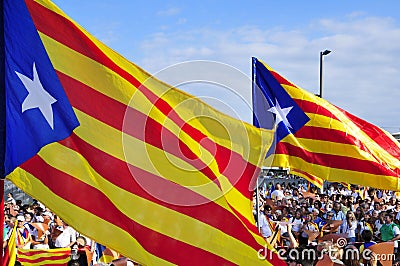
<point>321,55</point>
<point>2,123</point>
<point>257,207</point>
<point>2,218</point>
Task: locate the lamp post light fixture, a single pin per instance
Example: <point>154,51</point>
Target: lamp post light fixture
<point>321,54</point>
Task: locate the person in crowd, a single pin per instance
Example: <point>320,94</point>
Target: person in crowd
<point>366,237</point>
<point>396,211</point>
<point>277,194</point>
<point>297,221</point>
<point>317,206</point>
<point>364,223</point>
<point>286,213</point>
<point>349,227</point>
<point>379,221</point>
<point>316,217</point>
<point>67,237</point>
<point>265,228</point>
<point>351,256</point>
<point>6,227</point>
<point>24,238</point>
<point>355,193</point>
<point>28,225</point>
<point>377,207</point>
<point>10,222</point>
<point>338,215</point>
<point>309,224</point>
<point>296,194</point>
<point>10,199</point>
<point>389,231</point>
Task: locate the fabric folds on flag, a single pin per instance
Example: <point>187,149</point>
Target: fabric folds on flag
<point>10,252</point>
<point>127,160</point>
<point>320,141</point>
<point>42,257</point>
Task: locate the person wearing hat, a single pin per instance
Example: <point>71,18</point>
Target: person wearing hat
<point>24,238</point>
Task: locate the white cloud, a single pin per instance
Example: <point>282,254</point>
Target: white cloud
<point>181,21</point>
<point>169,12</point>
<point>361,75</point>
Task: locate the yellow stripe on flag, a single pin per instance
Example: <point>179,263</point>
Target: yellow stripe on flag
<point>121,238</point>
<point>190,230</point>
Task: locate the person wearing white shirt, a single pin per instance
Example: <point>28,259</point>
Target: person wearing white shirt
<point>349,227</point>
<point>264,226</point>
<point>10,199</point>
<point>67,238</point>
<point>297,222</point>
<point>277,194</point>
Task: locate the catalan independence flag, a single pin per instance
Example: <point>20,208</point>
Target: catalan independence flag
<point>320,141</point>
<point>153,173</point>
<point>43,257</point>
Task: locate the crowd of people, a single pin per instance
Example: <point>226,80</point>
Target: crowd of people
<point>37,227</point>
<point>292,216</point>
<point>297,216</point>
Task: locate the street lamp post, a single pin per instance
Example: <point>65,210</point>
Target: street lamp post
<point>321,54</point>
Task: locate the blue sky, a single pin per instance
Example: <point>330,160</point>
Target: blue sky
<point>361,75</point>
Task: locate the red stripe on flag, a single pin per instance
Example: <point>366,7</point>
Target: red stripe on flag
<point>6,258</point>
<point>310,177</point>
<point>230,164</point>
<point>335,161</point>
<point>328,134</point>
<point>88,199</point>
<point>57,256</point>
<point>55,252</point>
<point>376,134</point>
<point>281,79</point>
<point>314,108</point>
<point>141,183</point>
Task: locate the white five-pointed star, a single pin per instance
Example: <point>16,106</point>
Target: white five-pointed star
<point>37,97</point>
<point>281,114</point>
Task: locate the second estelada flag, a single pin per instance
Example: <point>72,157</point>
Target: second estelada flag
<point>320,141</point>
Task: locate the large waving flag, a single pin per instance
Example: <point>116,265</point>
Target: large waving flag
<point>153,173</point>
<point>320,141</point>
<point>43,257</point>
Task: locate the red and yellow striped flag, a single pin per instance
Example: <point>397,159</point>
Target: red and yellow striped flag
<point>322,141</point>
<point>153,173</point>
<point>42,257</point>
<point>10,252</point>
